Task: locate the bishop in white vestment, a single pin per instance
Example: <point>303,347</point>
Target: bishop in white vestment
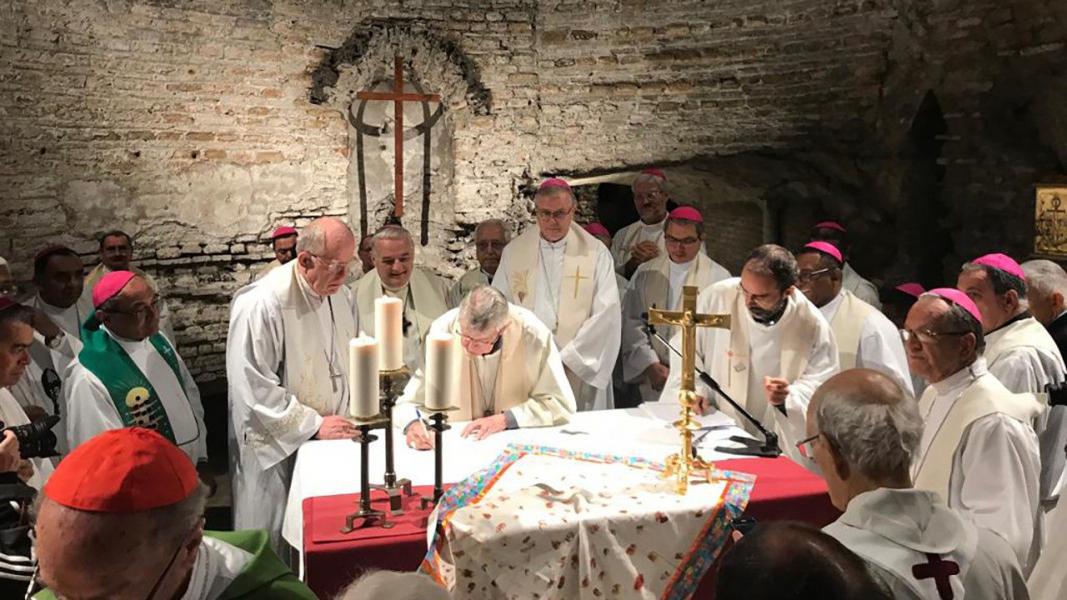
<point>395,275</point>
<point>286,369</point>
<point>658,283</point>
<point>565,277</point>
<point>510,373</point>
<point>1020,352</point>
<point>863,433</point>
<point>777,351</point>
<point>865,337</point>
<point>128,374</point>
<point>978,450</point>
<point>642,240</point>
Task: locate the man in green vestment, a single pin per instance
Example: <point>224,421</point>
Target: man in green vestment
<point>122,518</point>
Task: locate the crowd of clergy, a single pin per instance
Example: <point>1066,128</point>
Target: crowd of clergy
<point>925,410</point>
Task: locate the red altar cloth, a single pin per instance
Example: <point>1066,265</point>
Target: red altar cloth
<point>783,491</point>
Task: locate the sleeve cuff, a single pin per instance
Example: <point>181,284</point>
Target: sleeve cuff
<point>510,422</point>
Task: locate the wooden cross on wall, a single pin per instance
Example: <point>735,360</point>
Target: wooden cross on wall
<point>398,97</point>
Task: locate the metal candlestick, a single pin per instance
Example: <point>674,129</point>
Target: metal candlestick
<point>439,425</point>
<point>366,515</point>
<point>391,385</point>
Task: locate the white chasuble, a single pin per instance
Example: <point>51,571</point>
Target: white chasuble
<point>286,366</point>
<point>658,283</point>
<point>624,240</point>
<point>866,339</point>
<point>91,407</point>
<point>799,348</point>
<point>424,300</point>
<point>12,415</point>
<point>524,376</point>
<point>979,452</point>
<point>1025,358</point>
<point>570,285</point>
<point>923,550</point>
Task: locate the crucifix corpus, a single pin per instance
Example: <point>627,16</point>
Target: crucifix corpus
<point>398,97</point>
<point>685,464</point>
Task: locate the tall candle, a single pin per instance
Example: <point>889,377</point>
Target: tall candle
<point>363,377</point>
<point>388,317</point>
<point>442,370</point>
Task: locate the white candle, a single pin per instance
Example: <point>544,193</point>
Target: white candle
<point>363,377</point>
<point>388,319</point>
<point>442,370</point>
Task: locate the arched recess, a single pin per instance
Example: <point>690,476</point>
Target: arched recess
<point>926,209</point>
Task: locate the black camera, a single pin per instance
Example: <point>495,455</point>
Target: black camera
<point>36,439</point>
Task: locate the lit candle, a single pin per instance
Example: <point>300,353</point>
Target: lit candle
<point>442,370</point>
<point>363,377</point>
<point>388,316</point>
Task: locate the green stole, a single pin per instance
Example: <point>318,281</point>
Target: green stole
<point>265,577</point>
<point>134,398</point>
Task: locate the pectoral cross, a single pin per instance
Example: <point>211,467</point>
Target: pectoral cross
<point>688,320</point>
<point>577,277</point>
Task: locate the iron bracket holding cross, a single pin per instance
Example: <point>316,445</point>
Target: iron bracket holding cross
<point>684,464</point>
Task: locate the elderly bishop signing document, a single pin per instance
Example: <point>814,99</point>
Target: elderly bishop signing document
<point>285,361</point>
<point>567,278</point>
<point>510,373</point>
<point>778,349</point>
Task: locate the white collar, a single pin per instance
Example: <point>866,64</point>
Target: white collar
<point>122,341</point>
<point>658,225</point>
<point>829,309</point>
<point>557,245</point>
<point>960,379</point>
<point>682,267</point>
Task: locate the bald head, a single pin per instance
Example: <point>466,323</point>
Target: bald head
<point>325,250</point>
<point>325,237</point>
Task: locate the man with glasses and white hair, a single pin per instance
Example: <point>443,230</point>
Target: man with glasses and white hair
<point>490,238</point>
<point>122,518</point>
<point>425,295</point>
<point>128,374</point>
<point>978,450</point>
<point>865,337</point>
<point>642,240</point>
<point>286,369</point>
<point>510,374</point>
<point>658,283</point>
<point>777,350</point>
<point>864,432</point>
<point>565,276</point>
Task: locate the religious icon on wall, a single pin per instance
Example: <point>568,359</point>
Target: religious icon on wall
<point>1050,220</point>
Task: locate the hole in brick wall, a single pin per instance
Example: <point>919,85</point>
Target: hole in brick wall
<point>925,206</point>
<point>194,154</point>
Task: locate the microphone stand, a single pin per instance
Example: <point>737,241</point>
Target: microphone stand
<point>749,447</point>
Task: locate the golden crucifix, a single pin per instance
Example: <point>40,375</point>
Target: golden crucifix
<point>684,464</point>
<point>577,277</point>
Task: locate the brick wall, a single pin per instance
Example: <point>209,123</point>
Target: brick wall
<point>191,124</point>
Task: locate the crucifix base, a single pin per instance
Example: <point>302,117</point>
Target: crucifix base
<point>686,464</point>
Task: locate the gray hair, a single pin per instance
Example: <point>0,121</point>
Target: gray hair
<point>1002,281</point>
<point>177,520</point>
<point>484,308</point>
<point>312,239</point>
<point>391,585</point>
<point>391,232</point>
<point>659,182</point>
<point>1045,277</point>
<point>958,319</point>
<point>493,222</point>
<point>774,261</point>
<point>877,439</point>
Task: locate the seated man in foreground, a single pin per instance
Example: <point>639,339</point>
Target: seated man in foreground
<point>122,517</point>
<point>864,432</point>
<point>511,374</point>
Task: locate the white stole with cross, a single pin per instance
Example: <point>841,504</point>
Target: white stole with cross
<point>574,298</point>
<point>307,371</point>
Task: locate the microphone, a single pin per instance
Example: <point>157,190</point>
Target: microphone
<point>749,447</point>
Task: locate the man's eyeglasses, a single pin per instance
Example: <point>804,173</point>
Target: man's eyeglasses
<point>335,267</point>
<point>925,336</point>
<point>555,215</point>
<point>141,312</point>
<point>689,241</point>
<point>806,446</point>
<point>486,245</point>
<point>806,276</point>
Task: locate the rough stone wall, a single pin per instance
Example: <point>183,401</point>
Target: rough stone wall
<point>192,123</point>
